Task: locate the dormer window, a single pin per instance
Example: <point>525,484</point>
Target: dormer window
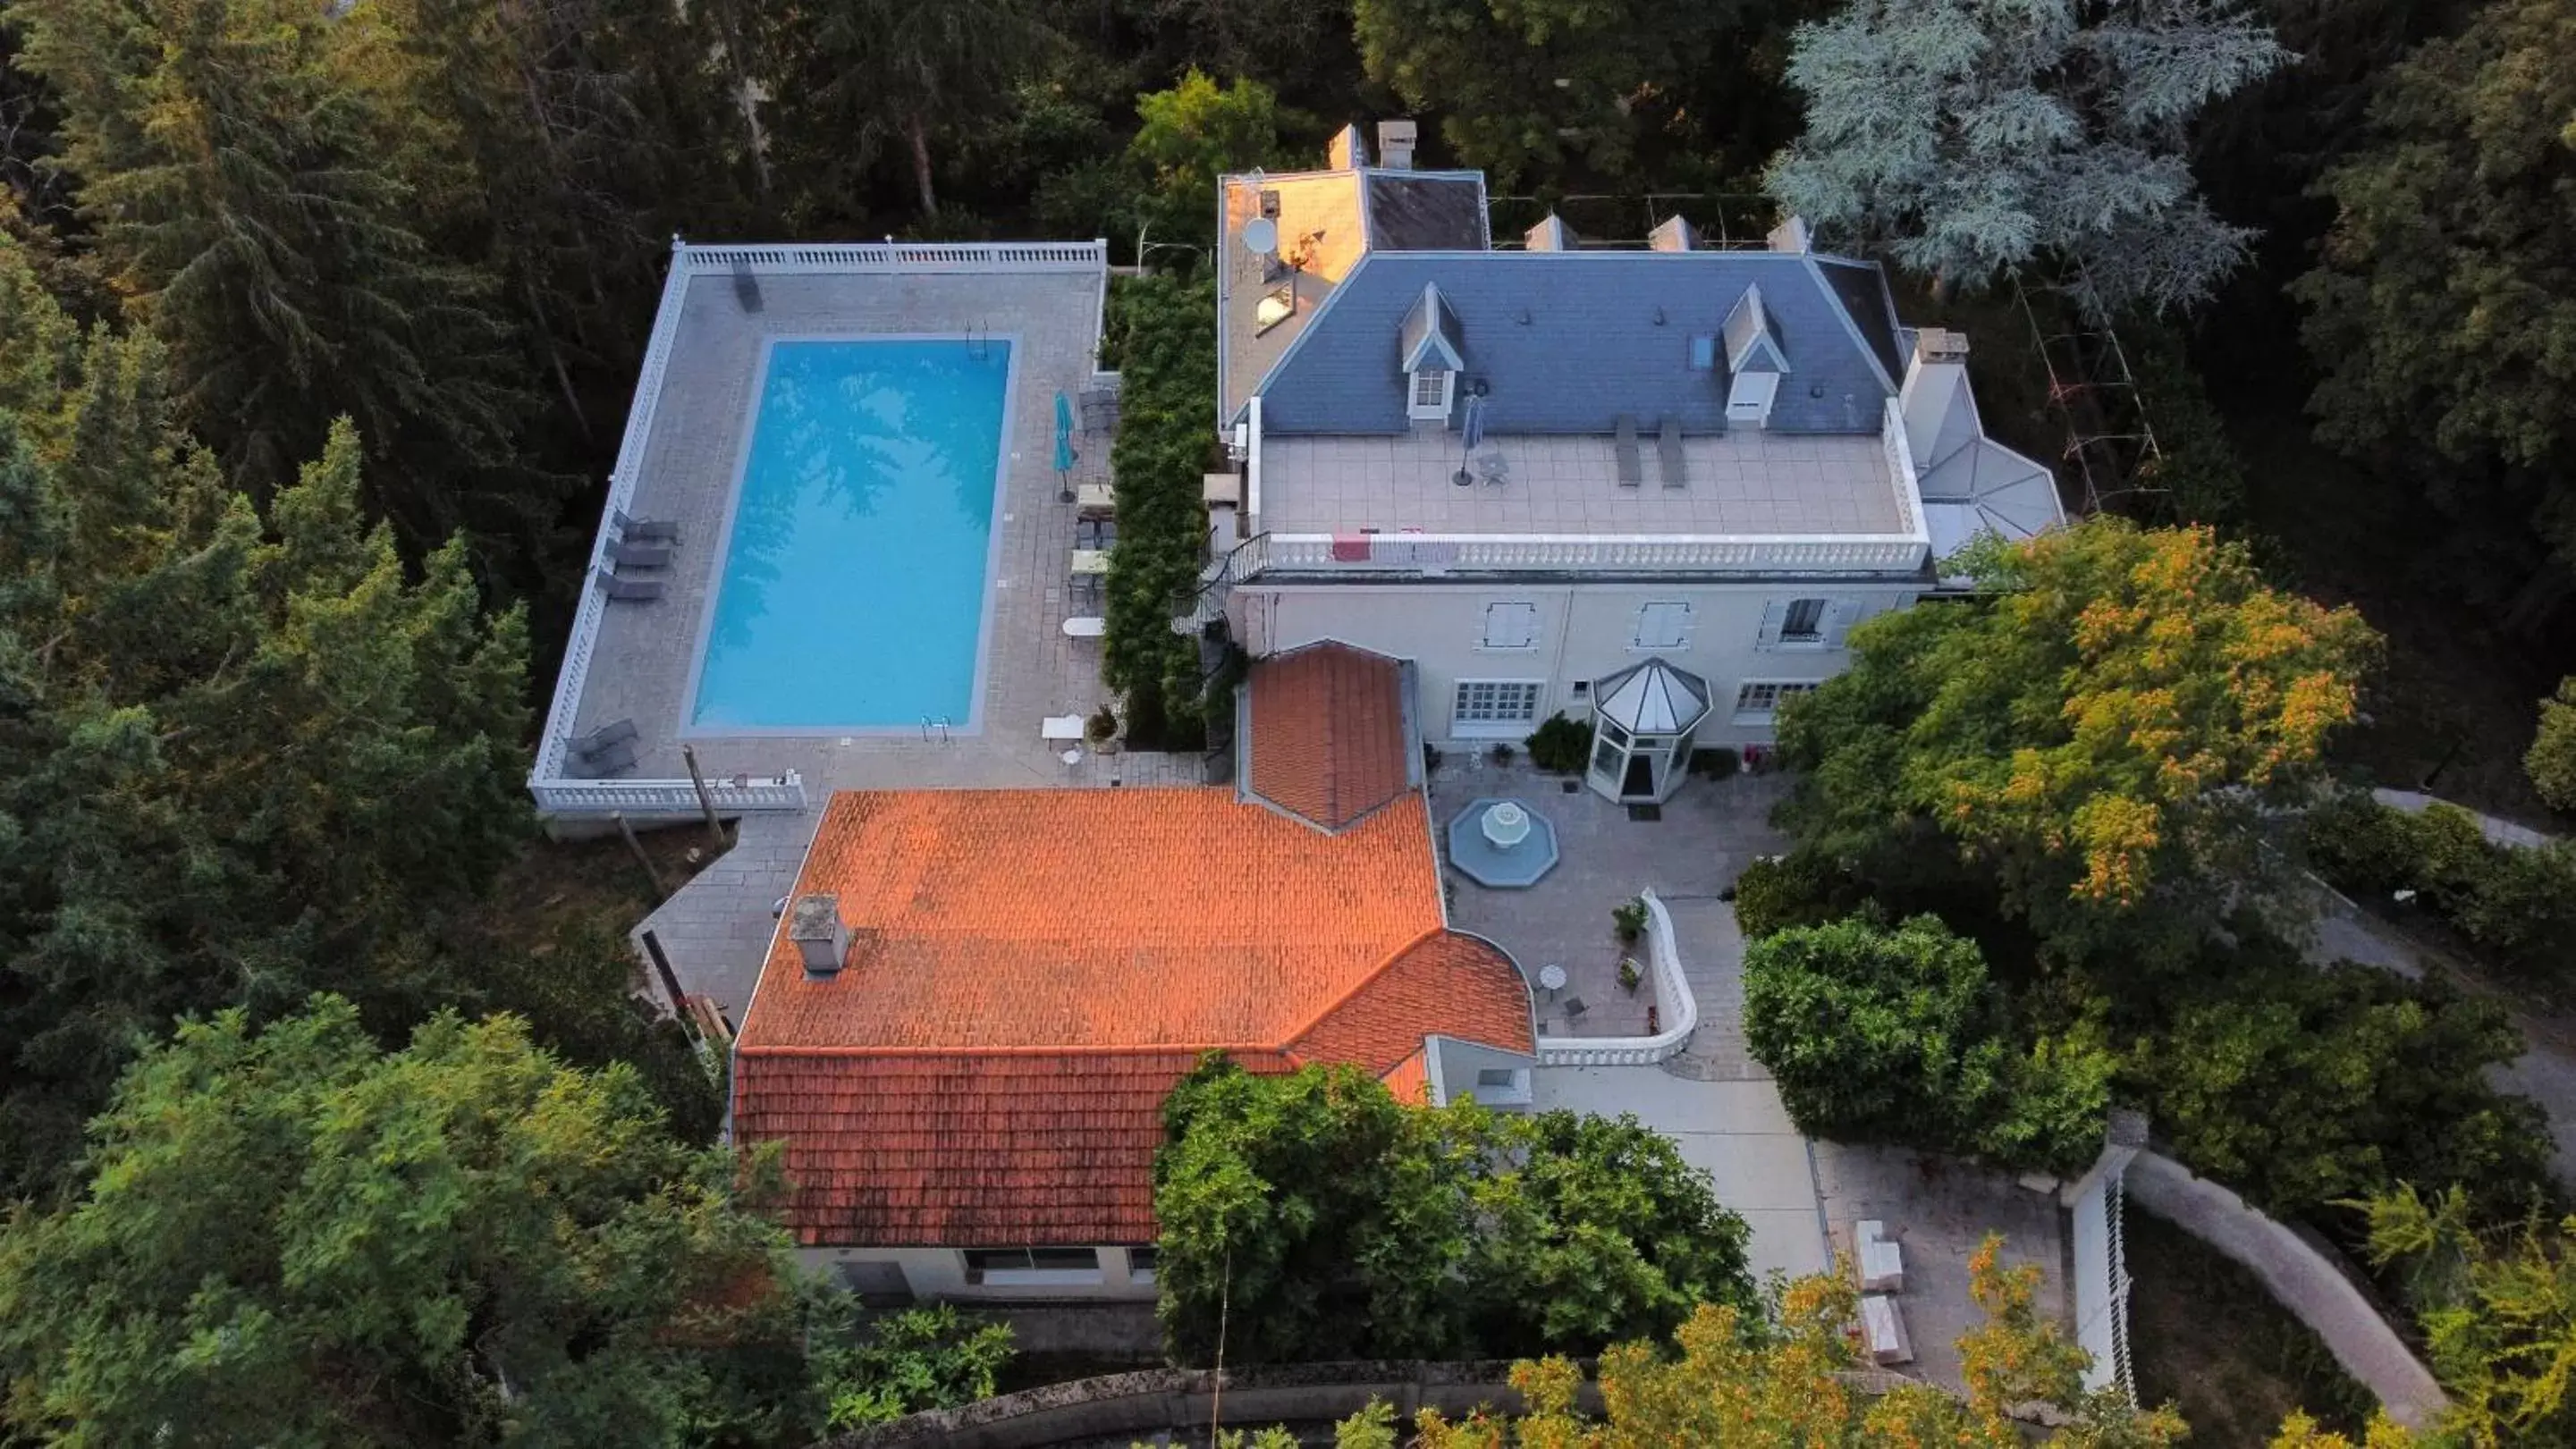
<point>1427,352</point>
<point>1431,387</point>
<point>1755,361</point>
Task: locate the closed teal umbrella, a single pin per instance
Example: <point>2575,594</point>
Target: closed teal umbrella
<point>1065,456</point>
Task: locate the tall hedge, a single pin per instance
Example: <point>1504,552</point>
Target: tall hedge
<point>1166,336</point>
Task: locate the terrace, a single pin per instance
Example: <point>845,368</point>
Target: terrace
<point>683,459</point>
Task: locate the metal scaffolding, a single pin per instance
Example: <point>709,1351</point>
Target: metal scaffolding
<point>2109,441</point>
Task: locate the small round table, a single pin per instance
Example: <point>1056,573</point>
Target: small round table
<point>1553,978</point>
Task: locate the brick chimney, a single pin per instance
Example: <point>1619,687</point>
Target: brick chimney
<point>815,926</point>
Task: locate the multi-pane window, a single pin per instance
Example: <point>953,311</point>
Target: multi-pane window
<point>1762,696</point>
<point>1141,1262</point>
<point>999,1264</point>
<point>1806,621</point>
<point>1511,626</point>
<point>1431,387</point>
<point>1491,702</point>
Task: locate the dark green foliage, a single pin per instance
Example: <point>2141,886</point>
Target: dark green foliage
<point>1324,1219</point>
<point>2551,761</point>
<point>2202,479</point>
<point>1797,889</point>
<point>2302,1088</point>
<point>1166,436</point>
<point>1898,1036</point>
<point>1559,745</point>
<point>293,1236</point>
<point>919,1358</point>
<point>2516,905</point>
<point>1628,920</point>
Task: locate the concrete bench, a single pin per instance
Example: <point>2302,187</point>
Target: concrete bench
<point>1883,1326</point>
<point>1882,1262</point>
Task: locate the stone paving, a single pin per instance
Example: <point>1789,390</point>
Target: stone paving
<point>1709,832</point>
<point>715,930</point>
<point>641,663</point>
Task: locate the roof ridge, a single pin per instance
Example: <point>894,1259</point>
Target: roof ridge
<point>1079,1049</point>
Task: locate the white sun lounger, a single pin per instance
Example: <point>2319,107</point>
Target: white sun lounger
<point>1085,626</point>
<point>1061,727</point>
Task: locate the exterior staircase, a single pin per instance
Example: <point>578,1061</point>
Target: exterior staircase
<point>1205,604</point>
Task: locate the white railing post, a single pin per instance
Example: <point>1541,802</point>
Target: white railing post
<point>1665,960</point>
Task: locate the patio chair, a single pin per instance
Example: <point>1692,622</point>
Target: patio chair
<point>1632,471</point>
<point>617,757</point>
<point>630,591</point>
<point>1494,467</point>
<point>1668,448</point>
<point>607,735</point>
<point>644,530</point>
<point>640,555</point>
<point>1574,1009</point>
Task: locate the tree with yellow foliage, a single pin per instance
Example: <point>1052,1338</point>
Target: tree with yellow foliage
<point>2102,728</point>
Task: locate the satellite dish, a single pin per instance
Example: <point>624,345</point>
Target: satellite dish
<point>1261,236</point>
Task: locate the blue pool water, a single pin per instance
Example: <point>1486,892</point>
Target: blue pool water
<point>853,593</point>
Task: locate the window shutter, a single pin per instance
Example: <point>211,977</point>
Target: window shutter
<point>1840,615</point>
<point>1774,614</point>
<point>1662,626</point>
<point>1511,626</point>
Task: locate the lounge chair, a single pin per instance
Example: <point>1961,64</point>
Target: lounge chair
<point>632,591</point>
<point>1668,448</point>
<point>644,530</point>
<point>606,735</point>
<point>1632,471</point>
<point>1085,626</point>
<point>640,555</point>
<point>619,756</point>
<point>1060,727</point>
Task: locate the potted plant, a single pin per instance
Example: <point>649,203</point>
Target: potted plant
<point>1102,730</point>
<point>1500,754</point>
<point>1628,920</point>
<point>1629,976</point>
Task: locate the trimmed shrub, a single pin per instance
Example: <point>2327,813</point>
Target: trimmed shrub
<point>1559,745</point>
<point>2515,905</point>
<point>1797,889</point>
<point>2551,761</point>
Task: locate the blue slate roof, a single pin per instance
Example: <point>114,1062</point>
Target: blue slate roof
<point>1565,342</point>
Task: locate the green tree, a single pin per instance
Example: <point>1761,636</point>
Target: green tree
<point>1167,367</point>
<point>1195,132</point>
<point>1525,87</point>
<point>2099,730</point>
<point>241,759</point>
<point>931,1357</point>
<point>1316,1216</point>
<point>2302,1088</point>
<point>2551,761</point>
<point>853,77</point>
<point>1971,138</point>
<point>1880,1035</point>
<point>2443,308</point>
<point>295,1237</point>
<point>246,198</point>
<point>2498,1312</point>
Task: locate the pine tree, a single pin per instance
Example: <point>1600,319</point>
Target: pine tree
<point>246,199</point>
<point>1971,138</point>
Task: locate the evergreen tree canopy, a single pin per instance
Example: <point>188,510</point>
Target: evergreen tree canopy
<point>2444,308</point>
<point>241,759</point>
<point>1970,138</point>
<point>293,1237</point>
<point>247,200</point>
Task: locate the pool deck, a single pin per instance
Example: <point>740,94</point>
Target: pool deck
<point>641,663</point>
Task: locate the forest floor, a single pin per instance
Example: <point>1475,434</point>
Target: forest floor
<point>2206,1337</point>
<point>557,887</point>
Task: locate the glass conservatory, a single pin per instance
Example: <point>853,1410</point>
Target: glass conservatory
<point>1642,724</point>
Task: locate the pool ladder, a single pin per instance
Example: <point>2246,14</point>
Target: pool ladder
<point>979,341</point>
<point>939,723</point>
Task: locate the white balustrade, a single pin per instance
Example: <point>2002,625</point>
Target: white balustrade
<point>1665,961</point>
<point>666,797</point>
<point>1439,553</point>
<point>900,257</point>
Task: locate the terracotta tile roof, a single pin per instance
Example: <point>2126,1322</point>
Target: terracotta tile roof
<point>1410,1080</point>
<point>1032,970</point>
<point>1327,736</point>
<point>1460,980</point>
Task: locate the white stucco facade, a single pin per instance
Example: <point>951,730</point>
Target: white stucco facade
<point>1541,644</point>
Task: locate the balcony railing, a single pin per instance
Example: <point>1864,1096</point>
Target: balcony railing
<point>1446,553</point>
<point>900,257</point>
<point>666,797</point>
<point>1637,1051</point>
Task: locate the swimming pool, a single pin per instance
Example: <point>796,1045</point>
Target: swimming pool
<point>860,544</point>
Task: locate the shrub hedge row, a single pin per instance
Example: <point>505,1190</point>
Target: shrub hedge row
<point>2516,906</point>
<point>1164,331</point>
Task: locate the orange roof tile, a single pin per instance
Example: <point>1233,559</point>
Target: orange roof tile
<point>1327,733</point>
<point>1032,970</point>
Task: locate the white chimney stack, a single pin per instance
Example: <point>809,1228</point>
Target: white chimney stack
<point>1395,144</point>
<point>1791,236</point>
<point>1934,400</point>
<point>1346,151</point>
<point>1550,235</point>
<point>824,943</point>
<point>1675,235</point>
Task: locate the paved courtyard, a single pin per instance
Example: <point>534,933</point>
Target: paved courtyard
<point>1709,832</point>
